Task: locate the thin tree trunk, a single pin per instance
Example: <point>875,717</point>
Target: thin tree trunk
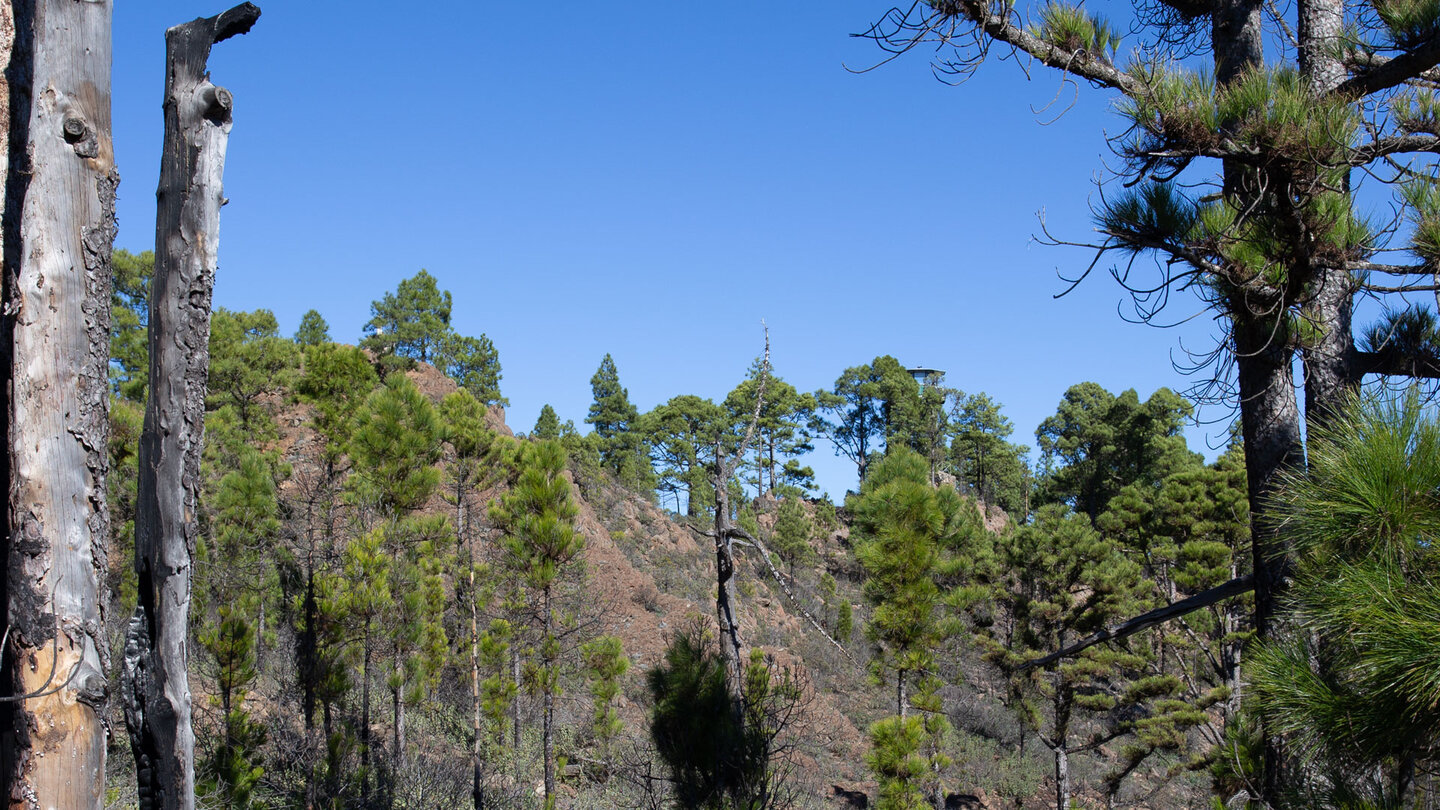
<point>197,129</point>
<point>398,704</point>
<point>1061,747</point>
<point>515,703</point>
<point>1062,778</point>
<point>365,719</point>
<point>548,697</point>
<point>57,235</point>
<point>477,790</point>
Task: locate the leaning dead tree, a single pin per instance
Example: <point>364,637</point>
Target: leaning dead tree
<point>58,216</point>
<point>725,534</point>
<point>187,225</point>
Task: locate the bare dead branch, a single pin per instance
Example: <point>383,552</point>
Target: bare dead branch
<point>1234,587</point>
<point>789,594</point>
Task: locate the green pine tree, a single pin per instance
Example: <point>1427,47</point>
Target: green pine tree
<point>682,434</point>
<point>248,360</point>
<point>395,446</point>
<point>474,364</point>
<point>983,458</point>
<point>910,536</point>
<point>1098,443</point>
<point>547,426</point>
<point>129,317</point>
<point>313,330</point>
<point>606,665</point>
<point>1060,580</point>
<point>409,324</point>
<point>792,534</point>
<point>781,426</point>
<point>1359,692</point>
<point>622,447</point>
<point>541,545</point>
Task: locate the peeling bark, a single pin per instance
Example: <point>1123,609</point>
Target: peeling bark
<point>58,230</point>
<point>197,129</point>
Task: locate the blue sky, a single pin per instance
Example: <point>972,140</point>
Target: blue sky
<point>653,180</point>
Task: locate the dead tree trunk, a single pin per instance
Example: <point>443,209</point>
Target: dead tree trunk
<point>197,129</point>
<point>58,231</point>
<point>731,648</point>
<point>724,534</point>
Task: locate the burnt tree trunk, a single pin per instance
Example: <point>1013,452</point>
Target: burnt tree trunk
<point>197,129</point>
<point>731,646</point>
<point>58,232</point>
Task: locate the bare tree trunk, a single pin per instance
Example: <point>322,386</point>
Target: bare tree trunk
<point>730,644</point>
<point>197,129</point>
<point>1062,778</point>
<point>57,235</point>
<point>1063,705</point>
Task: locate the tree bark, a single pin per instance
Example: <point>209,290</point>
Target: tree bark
<point>1270,422</point>
<point>730,643</point>
<point>197,128</point>
<point>57,235</point>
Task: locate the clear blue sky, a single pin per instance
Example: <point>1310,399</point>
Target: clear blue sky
<point>652,180</point>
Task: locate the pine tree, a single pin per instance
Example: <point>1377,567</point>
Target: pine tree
<point>336,381</point>
<point>395,446</point>
<point>474,364</point>
<point>313,330</point>
<point>359,597</point>
<point>129,317</point>
<point>899,521</point>
<point>547,426</point>
<point>248,360</point>
<point>781,431</point>
<point>717,759</point>
<point>606,665</point>
<point>541,544</point>
<point>682,434</point>
<point>1358,693</point>
<point>984,459</point>
<point>1061,580</point>
<point>909,537</point>
<point>1098,443</point>
<point>409,324</point>
<point>622,449</point>
<point>474,465</point>
<point>856,426</point>
<point>792,534</point>
<point>236,584</point>
<point>230,772</point>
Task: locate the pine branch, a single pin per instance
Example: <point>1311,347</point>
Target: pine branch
<point>1409,65</point>
<point>998,27</point>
